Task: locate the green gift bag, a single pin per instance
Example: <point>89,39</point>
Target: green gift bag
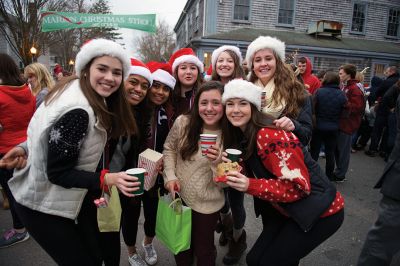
<point>109,218</point>
<point>174,224</point>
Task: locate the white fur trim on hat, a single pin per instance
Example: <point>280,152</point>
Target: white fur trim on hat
<point>188,59</point>
<point>264,42</point>
<point>101,47</point>
<point>219,50</point>
<point>243,89</point>
<point>141,71</point>
<point>164,77</point>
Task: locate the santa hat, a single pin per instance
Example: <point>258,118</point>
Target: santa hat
<point>162,72</point>
<point>224,48</point>
<point>264,42</point>
<point>185,55</point>
<point>243,89</point>
<point>101,47</point>
<point>139,68</point>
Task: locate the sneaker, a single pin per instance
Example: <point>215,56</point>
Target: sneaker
<point>12,237</point>
<point>371,153</point>
<point>338,179</point>
<point>150,253</point>
<point>136,260</point>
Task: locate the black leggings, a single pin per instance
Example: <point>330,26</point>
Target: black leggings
<point>283,243</point>
<point>70,243</point>
<point>131,213</point>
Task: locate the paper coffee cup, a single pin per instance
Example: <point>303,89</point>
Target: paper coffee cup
<point>139,173</point>
<point>207,140</point>
<point>233,154</point>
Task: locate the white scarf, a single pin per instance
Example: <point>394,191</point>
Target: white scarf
<point>273,109</point>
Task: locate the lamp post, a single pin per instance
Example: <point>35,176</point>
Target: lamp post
<point>71,65</point>
<point>33,53</point>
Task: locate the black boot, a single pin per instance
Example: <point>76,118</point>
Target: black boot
<point>236,250</point>
<point>226,230</point>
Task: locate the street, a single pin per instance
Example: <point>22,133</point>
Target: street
<point>342,249</point>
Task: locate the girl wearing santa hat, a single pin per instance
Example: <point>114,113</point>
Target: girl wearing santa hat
<point>285,97</point>
<point>226,62</point>
<point>187,69</point>
<point>299,206</point>
<point>186,170</point>
<point>66,140</point>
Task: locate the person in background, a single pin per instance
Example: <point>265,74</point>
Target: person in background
<point>311,82</point>
<point>58,72</point>
<point>382,241</point>
<point>382,113</point>
<point>328,102</point>
<point>67,136</point>
<point>186,170</point>
<point>187,69</point>
<point>282,176</point>
<point>17,105</point>
<point>286,98</point>
<point>40,80</point>
<point>226,64</point>
<point>350,120</point>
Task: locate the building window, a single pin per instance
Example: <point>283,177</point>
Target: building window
<point>241,10</point>
<point>286,12</point>
<point>393,23</point>
<point>359,15</point>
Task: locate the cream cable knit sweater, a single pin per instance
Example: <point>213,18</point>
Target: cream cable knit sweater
<point>198,189</point>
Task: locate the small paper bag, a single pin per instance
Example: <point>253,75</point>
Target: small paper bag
<point>151,161</point>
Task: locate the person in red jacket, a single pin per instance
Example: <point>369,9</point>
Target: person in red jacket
<point>349,121</point>
<point>17,105</point>
<point>311,82</point>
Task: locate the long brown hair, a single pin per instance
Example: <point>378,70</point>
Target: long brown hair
<point>287,88</point>
<point>237,72</point>
<point>177,90</point>
<point>194,128</point>
<point>113,112</point>
<point>234,137</point>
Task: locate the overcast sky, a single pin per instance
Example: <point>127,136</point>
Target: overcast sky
<point>169,10</point>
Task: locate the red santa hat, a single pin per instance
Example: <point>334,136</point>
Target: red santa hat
<point>185,55</point>
<point>162,72</point>
<point>101,47</point>
<point>224,48</point>
<point>139,68</point>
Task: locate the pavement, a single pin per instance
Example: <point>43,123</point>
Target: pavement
<point>342,249</point>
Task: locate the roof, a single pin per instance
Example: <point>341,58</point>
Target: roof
<point>303,39</point>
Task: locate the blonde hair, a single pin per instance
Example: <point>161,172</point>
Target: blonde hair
<point>359,77</point>
<point>43,76</point>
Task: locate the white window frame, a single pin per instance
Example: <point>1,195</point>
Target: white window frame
<point>397,36</point>
<point>234,4</point>
<point>293,13</point>
<point>365,5</point>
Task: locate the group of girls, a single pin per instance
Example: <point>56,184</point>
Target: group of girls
<point>93,126</point>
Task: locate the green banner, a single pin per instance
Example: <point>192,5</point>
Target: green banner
<point>52,21</point>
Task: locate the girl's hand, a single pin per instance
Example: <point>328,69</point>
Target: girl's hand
<point>124,182</point>
<point>172,186</point>
<point>214,154</point>
<point>161,167</point>
<point>284,123</point>
<point>237,181</point>
<point>14,158</point>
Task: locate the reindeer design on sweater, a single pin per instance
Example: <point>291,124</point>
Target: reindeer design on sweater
<point>288,173</point>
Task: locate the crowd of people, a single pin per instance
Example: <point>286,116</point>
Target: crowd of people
<point>67,139</point>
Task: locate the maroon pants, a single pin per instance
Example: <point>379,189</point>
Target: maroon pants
<point>202,245</point>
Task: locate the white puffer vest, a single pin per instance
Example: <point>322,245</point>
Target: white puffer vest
<point>30,185</point>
